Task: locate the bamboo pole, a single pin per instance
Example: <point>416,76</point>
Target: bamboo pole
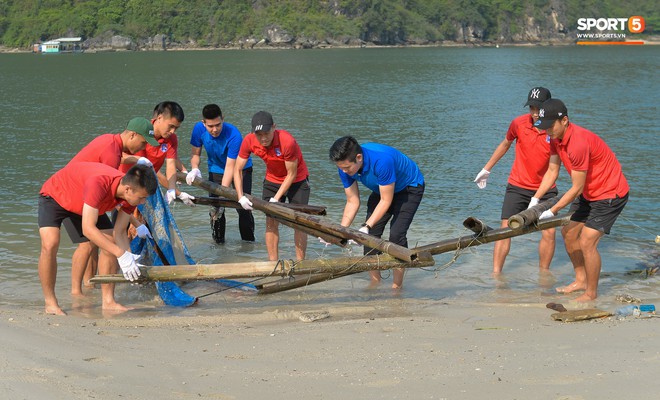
<point>289,283</point>
<point>531,215</point>
<point>268,268</point>
<point>315,233</point>
<point>476,225</point>
<point>311,221</point>
<point>491,236</point>
<point>222,202</point>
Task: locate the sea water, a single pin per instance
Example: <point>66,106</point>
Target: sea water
<point>447,108</point>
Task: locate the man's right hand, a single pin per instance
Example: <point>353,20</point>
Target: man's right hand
<point>245,203</point>
<point>482,178</point>
<point>194,173</point>
<point>128,266</point>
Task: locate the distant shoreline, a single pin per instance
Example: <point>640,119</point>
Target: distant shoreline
<point>547,43</point>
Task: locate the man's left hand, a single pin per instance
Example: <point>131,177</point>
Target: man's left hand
<point>546,214</point>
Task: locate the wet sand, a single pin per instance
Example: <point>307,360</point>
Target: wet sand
<point>406,349</point>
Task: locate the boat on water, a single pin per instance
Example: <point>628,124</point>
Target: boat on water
<point>60,45</point>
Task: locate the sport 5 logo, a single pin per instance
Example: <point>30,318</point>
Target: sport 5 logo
<point>635,24</point>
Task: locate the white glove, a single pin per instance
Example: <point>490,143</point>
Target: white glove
<point>194,173</point>
<point>324,242</point>
<point>534,201</point>
<point>546,214</point>
<point>128,265</point>
<point>187,199</point>
<point>362,229</point>
<point>144,161</point>
<point>143,232</point>
<point>245,203</point>
<point>171,195</point>
<point>273,200</point>
<point>482,178</point>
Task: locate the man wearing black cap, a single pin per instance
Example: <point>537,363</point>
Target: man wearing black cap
<point>529,166</point>
<point>286,175</point>
<point>599,192</point>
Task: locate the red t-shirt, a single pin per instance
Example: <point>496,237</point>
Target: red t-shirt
<point>157,154</point>
<point>106,149</point>
<point>583,150</point>
<point>532,153</point>
<point>283,148</point>
<point>94,184</point>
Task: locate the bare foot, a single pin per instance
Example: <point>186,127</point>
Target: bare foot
<point>115,307</point>
<point>54,310</point>
<point>395,286</point>
<point>571,287</point>
<point>373,284</point>
<point>585,298</point>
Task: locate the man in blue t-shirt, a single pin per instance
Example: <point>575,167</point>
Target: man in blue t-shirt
<point>397,187</point>
<point>222,142</point>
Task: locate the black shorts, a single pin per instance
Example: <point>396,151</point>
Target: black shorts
<point>298,193</point>
<point>516,199</point>
<point>599,215</point>
<point>52,214</point>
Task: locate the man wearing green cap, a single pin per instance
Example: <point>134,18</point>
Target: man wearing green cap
<point>105,149</point>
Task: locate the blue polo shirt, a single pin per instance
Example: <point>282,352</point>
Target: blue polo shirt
<point>227,144</point>
<point>382,166</point>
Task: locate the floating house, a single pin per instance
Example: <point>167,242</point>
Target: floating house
<point>61,45</point>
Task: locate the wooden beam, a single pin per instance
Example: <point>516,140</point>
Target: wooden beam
<point>269,268</point>
<point>531,215</point>
<point>310,221</point>
<point>492,235</point>
<point>222,202</point>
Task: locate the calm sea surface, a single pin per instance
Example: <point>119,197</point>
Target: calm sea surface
<point>447,108</point>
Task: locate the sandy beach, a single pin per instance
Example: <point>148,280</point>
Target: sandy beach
<point>399,349</point>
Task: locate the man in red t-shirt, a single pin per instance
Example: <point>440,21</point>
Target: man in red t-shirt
<point>529,166</point>
<point>599,192</point>
<point>286,176</point>
<point>83,191</point>
<point>106,149</point>
<point>167,118</point>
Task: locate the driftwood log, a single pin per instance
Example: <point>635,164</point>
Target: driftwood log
<point>483,234</point>
<point>222,202</point>
<point>476,225</point>
<point>492,235</point>
<point>268,268</point>
<point>532,214</point>
<point>325,269</point>
<point>309,221</point>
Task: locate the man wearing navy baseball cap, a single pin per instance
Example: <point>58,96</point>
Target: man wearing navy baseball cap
<point>599,192</point>
<point>529,165</point>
